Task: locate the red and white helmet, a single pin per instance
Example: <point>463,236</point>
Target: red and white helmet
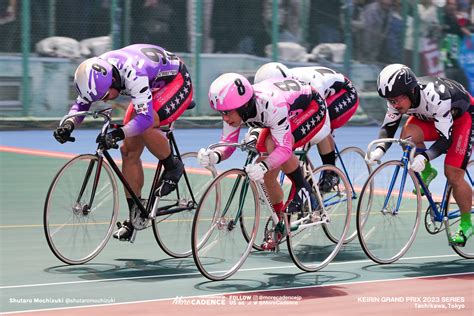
<point>230,91</point>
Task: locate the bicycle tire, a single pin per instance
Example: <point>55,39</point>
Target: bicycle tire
<point>173,231</point>
<point>466,251</point>
<point>376,225</point>
<point>76,232</point>
<point>218,247</point>
<point>357,170</point>
<point>314,246</point>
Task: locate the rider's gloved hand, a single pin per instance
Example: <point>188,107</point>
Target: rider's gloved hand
<point>63,132</point>
<point>208,157</point>
<point>111,138</point>
<point>418,164</point>
<point>252,135</point>
<point>375,156</point>
<point>256,171</point>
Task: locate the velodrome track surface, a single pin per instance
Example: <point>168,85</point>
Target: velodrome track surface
<point>139,279</point>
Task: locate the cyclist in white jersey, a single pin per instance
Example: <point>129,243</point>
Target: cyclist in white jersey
<point>340,96</point>
<point>440,110</point>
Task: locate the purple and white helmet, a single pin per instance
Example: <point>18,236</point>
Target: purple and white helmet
<point>230,91</point>
<point>93,79</point>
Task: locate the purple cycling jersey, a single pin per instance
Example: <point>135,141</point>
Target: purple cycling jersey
<point>143,69</point>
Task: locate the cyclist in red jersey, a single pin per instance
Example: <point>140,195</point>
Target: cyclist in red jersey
<point>341,99</point>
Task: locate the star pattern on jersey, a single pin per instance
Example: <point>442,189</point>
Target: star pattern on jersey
<point>345,102</point>
<point>315,119</point>
<point>173,104</point>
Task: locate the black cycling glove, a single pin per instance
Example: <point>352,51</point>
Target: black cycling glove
<point>111,138</point>
<point>63,132</point>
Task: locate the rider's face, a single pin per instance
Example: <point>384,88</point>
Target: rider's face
<point>232,118</point>
<point>111,94</point>
<point>401,103</point>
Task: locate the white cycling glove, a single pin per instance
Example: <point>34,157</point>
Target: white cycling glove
<point>256,171</point>
<point>252,135</point>
<point>418,164</point>
<point>375,156</point>
<point>207,157</point>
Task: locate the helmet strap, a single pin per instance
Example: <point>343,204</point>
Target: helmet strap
<point>248,111</point>
<point>414,96</point>
<point>117,80</point>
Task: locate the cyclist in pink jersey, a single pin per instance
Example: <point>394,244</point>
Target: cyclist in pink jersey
<point>160,89</point>
<point>293,114</point>
<point>340,96</point>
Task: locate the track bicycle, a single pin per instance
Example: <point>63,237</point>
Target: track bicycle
<point>351,161</point>
<point>227,219</point>
<point>82,202</point>
<point>388,219</point>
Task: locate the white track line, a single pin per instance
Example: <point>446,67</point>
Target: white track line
<point>158,276</point>
<point>246,292</point>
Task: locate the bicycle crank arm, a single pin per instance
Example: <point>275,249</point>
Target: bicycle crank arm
<point>448,231</point>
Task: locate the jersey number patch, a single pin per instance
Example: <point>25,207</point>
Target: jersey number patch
<point>288,85</point>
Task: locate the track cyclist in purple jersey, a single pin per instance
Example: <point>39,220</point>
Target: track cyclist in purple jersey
<point>292,114</point>
<point>160,89</point>
<point>341,99</point>
<point>439,110</point>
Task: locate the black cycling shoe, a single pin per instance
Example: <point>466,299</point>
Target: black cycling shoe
<point>300,200</point>
<point>169,179</point>
<point>125,231</point>
<point>328,180</point>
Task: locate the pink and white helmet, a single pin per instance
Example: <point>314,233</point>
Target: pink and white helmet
<point>229,91</point>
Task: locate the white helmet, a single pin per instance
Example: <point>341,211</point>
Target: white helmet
<point>272,70</point>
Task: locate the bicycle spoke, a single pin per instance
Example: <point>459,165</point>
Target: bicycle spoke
<point>75,231</point>
<point>173,231</point>
<point>219,248</point>
<point>388,218</point>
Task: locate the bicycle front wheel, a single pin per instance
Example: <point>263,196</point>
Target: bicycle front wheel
<point>78,217</point>
<point>388,213</point>
<point>453,214</point>
<point>317,235</point>
<point>173,231</point>
<point>351,161</point>
<point>219,248</point>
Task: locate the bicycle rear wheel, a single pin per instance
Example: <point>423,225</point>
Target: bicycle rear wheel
<point>173,231</point>
<point>219,248</point>
<point>452,213</point>
<point>76,231</point>
<point>351,161</point>
<point>317,236</point>
<point>385,230</point>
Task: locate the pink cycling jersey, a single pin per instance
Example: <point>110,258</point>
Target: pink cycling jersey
<point>280,104</point>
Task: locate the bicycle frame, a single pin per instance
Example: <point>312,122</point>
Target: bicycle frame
<point>408,153</point>
<point>262,192</point>
<point>308,167</point>
<point>152,210</point>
